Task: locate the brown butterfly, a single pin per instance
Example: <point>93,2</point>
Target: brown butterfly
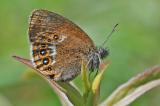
<point>58,46</point>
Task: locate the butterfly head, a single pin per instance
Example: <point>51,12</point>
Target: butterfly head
<point>103,52</point>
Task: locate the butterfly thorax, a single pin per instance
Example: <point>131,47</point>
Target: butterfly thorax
<point>96,57</point>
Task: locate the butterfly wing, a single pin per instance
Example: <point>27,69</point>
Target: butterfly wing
<point>57,45</point>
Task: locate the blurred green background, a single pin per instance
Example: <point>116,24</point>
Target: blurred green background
<point>134,47</point>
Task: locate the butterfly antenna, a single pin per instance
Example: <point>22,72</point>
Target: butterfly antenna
<point>113,30</point>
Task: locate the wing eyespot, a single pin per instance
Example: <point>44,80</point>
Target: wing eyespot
<point>43,52</point>
<point>46,61</point>
<point>55,37</point>
<point>49,68</point>
<point>49,40</point>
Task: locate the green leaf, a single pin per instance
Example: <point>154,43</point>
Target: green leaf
<point>91,88</point>
<point>130,86</point>
<point>97,80</point>
<point>137,93</point>
<point>85,80</point>
<point>96,83</point>
<point>63,89</point>
<point>72,93</point>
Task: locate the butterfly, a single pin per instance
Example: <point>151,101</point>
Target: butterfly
<point>58,46</point>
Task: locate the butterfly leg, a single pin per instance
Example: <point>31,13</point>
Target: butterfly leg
<point>94,62</point>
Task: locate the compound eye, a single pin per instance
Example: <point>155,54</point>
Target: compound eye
<point>46,61</point>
